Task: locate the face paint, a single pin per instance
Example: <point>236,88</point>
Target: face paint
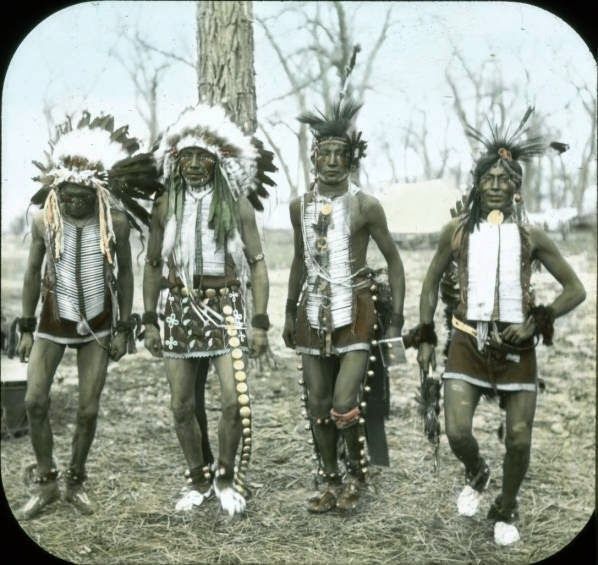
<point>77,201</point>
<point>197,166</point>
<point>332,161</point>
<point>496,189</point>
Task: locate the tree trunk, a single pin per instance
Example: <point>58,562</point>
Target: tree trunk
<point>225,71</point>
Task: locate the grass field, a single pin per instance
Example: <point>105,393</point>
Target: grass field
<point>408,514</point>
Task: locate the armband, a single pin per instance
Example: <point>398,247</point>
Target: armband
<point>256,259</point>
<point>154,262</point>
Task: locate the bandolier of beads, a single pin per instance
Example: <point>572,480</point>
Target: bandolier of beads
<point>235,338</point>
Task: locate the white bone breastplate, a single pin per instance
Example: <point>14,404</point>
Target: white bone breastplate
<point>494,274</point>
<point>338,270</point>
<point>80,283</point>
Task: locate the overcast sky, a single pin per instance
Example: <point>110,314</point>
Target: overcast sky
<point>65,61</point>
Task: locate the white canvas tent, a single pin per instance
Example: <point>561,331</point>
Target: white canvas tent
<point>419,207</point>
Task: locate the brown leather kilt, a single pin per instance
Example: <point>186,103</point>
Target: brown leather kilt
<point>492,368</point>
<point>356,336</point>
<point>186,334</point>
<point>59,330</point>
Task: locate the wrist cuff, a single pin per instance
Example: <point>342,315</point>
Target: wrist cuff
<point>544,320</point>
<point>261,322</point>
<point>27,324</point>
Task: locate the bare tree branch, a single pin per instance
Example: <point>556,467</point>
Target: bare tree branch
<point>282,161</point>
<point>307,82</point>
<point>166,54</point>
<point>373,53</point>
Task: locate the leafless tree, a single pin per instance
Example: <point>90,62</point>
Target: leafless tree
<point>321,64</point>
<point>146,66</point>
<point>226,76</point>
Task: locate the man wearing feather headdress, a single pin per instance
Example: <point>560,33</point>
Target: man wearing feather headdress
<point>331,319</point>
<point>87,194</point>
<point>494,325</point>
<point>204,232</point>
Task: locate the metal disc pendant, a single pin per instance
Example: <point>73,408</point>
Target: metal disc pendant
<point>238,365</point>
<point>227,310</point>
<point>236,353</point>
<point>326,209</point>
<point>495,217</point>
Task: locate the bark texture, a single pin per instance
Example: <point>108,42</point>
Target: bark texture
<point>225,70</point>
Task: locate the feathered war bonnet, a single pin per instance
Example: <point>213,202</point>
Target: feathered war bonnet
<point>240,170</point>
<point>93,154</point>
<point>508,150</point>
<point>337,124</point>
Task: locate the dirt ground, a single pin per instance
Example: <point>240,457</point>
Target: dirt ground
<point>408,514</point>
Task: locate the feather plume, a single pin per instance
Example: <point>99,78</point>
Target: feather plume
<point>337,123</point>
<point>521,150</point>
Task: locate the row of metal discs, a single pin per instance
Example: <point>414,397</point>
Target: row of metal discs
<point>308,427</point>
<point>234,342</point>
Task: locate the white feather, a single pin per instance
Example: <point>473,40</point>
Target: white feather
<point>94,145</point>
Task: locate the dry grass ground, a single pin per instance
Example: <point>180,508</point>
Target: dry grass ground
<point>408,514</point>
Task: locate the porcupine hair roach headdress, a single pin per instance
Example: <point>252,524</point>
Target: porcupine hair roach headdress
<point>93,154</point>
<point>337,124</point>
<point>508,150</point>
<point>242,164</point>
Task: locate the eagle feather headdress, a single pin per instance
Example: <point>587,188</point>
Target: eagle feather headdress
<point>93,154</point>
<point>242,159</point>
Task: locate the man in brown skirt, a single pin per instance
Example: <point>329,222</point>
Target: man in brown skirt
<point>492,345</point>
<point>82,234</point>
<point>332,324</point>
